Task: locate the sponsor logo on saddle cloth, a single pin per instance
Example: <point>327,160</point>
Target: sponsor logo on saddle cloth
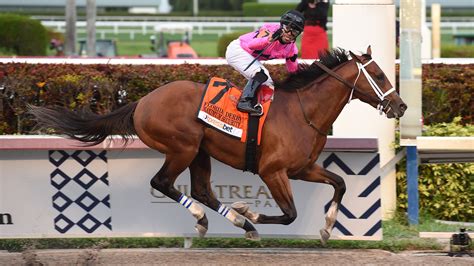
<point>219,108</point>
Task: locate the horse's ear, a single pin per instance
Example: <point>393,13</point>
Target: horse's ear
<point>369,50</point>
<point>355,57</point>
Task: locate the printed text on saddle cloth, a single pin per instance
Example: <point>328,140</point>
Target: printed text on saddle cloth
<point>219,108</point>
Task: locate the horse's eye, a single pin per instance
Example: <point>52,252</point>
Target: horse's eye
<point>380,76</point>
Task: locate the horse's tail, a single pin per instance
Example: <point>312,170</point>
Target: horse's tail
<point>86,126</point>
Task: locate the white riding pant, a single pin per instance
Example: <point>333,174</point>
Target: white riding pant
<point>239,59</point>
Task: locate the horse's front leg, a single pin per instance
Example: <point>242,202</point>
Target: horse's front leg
<point>282,195</point>
<point>280,188</point>
<point>320,175</point>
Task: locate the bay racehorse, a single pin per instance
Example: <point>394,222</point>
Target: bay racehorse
<point>305,106</point>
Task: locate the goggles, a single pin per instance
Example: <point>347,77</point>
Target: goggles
<point>294,32</point>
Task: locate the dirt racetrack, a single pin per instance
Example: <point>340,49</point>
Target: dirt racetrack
<point>179,256</point>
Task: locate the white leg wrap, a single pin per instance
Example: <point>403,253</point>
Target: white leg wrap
<point>331,216</point>
<point>196,210</point>
<point>231,215</point>
<point>243,208</point>
<point>253,216</point>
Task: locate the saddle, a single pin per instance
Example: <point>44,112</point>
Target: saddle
<point>218,109</point>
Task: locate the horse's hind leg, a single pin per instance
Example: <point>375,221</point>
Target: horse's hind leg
<point>201,190</point>
<point>164,180</point>
<point>280,189</point>
<point>320,175</point>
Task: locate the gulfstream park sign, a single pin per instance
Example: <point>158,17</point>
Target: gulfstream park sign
<point>66,192</point>
<point>259,196</point>
<point>6,218</point>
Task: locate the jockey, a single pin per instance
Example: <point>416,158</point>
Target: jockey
<point>270,41</point>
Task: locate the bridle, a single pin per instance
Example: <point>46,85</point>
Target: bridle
<point>375,87</point>
<point>383,105</point>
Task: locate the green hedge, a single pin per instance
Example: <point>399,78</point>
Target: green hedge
<point>457,51</point>
<point>254,9</point>
<point>224,41</point>
<point>266,10</point>
<point>23,36</point>
<point>446,191</point>
<point>6,52</point>
<point>447,93</point>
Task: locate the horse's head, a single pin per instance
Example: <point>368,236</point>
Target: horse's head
<point>373,87</point>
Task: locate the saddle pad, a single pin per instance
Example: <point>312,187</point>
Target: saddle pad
<point>218,108</point>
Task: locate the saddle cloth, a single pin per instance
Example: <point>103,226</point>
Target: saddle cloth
<point>218,108</point>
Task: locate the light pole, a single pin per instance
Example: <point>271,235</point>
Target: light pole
<point>195,7</point>
<point>70,45</point>
<point>410,90</point>
<point>91,18</point>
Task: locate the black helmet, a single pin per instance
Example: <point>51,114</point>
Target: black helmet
<point>293,19</point>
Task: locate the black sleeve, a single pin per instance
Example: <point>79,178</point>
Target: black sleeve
<point>302,5</point>
<point>292,58</point>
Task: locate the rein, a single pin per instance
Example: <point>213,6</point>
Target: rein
<point>333,74</point>
<point>308,121</point>
<point>361,67</point>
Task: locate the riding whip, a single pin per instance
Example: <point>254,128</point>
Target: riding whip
<point>265,48</point>
<point>259,54</point>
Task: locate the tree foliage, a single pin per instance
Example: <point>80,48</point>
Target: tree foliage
<point>446,191</point>
<point>22,36</point>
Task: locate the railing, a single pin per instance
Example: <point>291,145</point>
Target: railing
<point>163,18</point>
<point>445,149</point>
<point>207,25</point>
<point>215,19</point>
<point>168,61</point>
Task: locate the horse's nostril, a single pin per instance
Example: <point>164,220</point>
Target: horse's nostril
<point>403,107</point>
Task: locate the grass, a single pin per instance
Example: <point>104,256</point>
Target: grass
<point>397,236</point>
<point>5,52</point>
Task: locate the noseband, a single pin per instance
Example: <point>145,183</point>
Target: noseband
<point>374,86</point>
<point>384,104</point>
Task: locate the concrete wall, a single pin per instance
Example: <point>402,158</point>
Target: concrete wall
<point>51,188</point>
<point>356,25</point>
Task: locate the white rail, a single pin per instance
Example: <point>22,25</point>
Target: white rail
<point>445,149</point>
<point>210,27</point>
<point>216,19</point>
<point>166,61</point>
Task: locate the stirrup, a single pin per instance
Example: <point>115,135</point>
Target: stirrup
<point>246,107</point>
<point>259,108</point>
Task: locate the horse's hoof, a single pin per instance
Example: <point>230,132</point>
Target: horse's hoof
<point>252,235</point>
<point>324,236</point>
<point>240,207</point>
<point>201,230</point>
<point>201,226</point>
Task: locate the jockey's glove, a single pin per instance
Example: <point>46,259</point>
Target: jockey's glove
<point>277,34</point>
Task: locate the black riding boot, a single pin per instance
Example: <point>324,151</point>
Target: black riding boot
<point>246,103</point>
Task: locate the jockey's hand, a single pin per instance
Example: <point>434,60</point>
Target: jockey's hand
<point>276,35</point>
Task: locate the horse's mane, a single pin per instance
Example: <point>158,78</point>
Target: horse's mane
<point>307,73</point>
